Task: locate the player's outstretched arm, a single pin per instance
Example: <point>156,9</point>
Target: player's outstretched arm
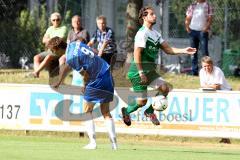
<point>62,75</point>
<point>174,51</point>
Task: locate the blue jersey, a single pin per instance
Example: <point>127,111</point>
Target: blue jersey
<point>80,56</point>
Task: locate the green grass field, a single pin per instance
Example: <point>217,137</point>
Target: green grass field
<point>70,148</point>
<point>190,82</point>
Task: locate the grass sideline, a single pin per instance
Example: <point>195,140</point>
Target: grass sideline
<point>191,82</point>
<point>121,137</point>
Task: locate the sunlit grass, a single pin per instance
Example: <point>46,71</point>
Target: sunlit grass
<point>179,81</point>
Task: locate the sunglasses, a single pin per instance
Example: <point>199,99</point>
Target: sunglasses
<point>55,20</point>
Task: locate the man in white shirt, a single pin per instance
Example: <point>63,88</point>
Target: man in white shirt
<point>212,76</point>
<point>198,21</point>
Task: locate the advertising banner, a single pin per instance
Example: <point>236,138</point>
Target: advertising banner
<point>194,113</point>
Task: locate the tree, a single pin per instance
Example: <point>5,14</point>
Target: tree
<point>132,26</point>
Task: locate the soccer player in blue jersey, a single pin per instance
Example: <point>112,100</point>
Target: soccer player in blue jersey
<point>98,84</point>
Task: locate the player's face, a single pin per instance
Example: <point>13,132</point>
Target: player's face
<point>101,24</point>
<point>151,17</point>
<point>56,21</point>
<point>76,23</point>
<point>207,67</point>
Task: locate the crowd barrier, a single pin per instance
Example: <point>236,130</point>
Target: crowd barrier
<point>194,113</point>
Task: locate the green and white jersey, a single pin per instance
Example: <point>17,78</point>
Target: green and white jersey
<point>151,41</point>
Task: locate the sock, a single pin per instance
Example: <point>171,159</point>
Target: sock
<point>132,106</point>
<point>90,128</point>
<point>109,123</point>
<point>149,110</point>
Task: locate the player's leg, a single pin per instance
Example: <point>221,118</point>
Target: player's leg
<point>109,123</point>
<point>133,105</point>
<point>161,86</point>
<point>139,99</point>
<point>156,82</point>
<point>90,126</point>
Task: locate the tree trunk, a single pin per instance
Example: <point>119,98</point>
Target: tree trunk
<point>132,27</point>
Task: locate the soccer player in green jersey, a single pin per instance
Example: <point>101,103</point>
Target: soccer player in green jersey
<point>142,72</point>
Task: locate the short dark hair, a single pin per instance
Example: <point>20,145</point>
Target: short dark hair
<point>57,43</point>
<point>143,12</point>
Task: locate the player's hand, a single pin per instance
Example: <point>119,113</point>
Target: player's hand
<point>190,50</point>
<point>144,79</point>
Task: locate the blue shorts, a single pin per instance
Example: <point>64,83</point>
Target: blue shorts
<point>100,90</point>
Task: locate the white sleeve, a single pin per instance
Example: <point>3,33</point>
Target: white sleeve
<point>202,78</point>
<point>140,40</point>
<point>161,40</point>
<point>219,77</point>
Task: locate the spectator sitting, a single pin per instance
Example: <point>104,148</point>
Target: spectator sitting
<point>43,59</point>
<point>213,77</point>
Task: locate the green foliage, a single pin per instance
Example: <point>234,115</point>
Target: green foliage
<point>24,36</point>
<point>43,23</point>
<point>67,19</point>
<point>27,39</point>
<point>24,29</point>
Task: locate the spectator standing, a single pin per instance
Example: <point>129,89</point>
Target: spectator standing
<point>198,21</point>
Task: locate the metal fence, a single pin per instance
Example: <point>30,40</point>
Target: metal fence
<point>223,34</point>
<point>23,37</point>
<point>225,24</point>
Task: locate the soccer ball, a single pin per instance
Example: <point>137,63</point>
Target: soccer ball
<point>159,103</point>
